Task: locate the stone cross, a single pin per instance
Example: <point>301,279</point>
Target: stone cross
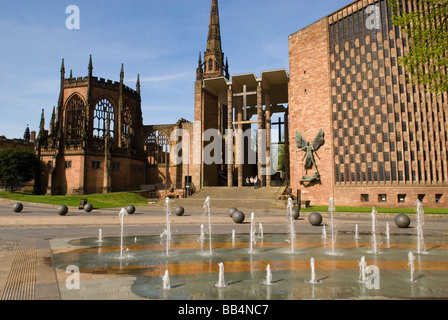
<point>244,94</point>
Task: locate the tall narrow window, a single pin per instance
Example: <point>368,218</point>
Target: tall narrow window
<point>126,125</point>
<point>103,121</point>
<point>74,118</point>
<point>210,65</point>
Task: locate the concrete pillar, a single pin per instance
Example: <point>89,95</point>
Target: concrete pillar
<point>240,146</point>
<point>287,159</point>
<point>268,138</point>
<point>229,146</point>
<point>259,133</point>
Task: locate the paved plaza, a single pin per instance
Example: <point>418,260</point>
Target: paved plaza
<point>31,242</point>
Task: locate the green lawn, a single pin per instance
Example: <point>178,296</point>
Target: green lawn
<point>99,201</point>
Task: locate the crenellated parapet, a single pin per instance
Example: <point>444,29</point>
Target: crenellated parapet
<point>101,83</point>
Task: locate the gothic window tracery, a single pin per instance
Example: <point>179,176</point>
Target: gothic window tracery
<point>158,148</point>
<point>103,119</point>
<point>75,118</point>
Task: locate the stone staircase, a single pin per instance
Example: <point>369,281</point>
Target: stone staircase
<point>243,198</point>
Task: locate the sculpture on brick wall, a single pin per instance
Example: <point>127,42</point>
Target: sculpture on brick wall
<point>310,150</point>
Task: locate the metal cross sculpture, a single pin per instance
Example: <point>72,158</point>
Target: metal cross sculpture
<point>310,150</point>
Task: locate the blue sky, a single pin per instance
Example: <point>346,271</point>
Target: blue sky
<point>158,39</point>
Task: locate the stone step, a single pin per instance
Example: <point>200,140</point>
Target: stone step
<point>223,198</point>
<point>241,193</point>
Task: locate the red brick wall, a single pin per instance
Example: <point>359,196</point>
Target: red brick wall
<point>206,112</point>
<point>309,107</point>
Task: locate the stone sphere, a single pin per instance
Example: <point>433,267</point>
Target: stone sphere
<point>88,207</point>
<point>62,210</point>
<point>17,207</point>
<point>130,209</point>
<point>315,219</point>
<point>179,211</point>
<point>296,213</point>
<point>238,217</point>
<point>232,211</point>
<point>402,221</point>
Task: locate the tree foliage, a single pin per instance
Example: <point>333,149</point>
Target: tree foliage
<point>17,165</point>
<point>427,28</point>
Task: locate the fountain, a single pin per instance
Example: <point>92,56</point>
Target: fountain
<point>332,209</point>
<point>167,232</point>
<point>260,231</point>
<point>202,236</point>
<point>357,237</point>
<point>166,281</point>
<point>387,231</point>
<point>375,239</point>
<point>197,271</point>
<point>168,215</point>
<point>333,239</point>
<point>313,279</point>
<point>363,270</point>
<point>290,218</point>
<point>253,238</point>
<point>324,232</point>
<point>100,235</point>
<point>421,248</point>
<point>268,280</point>
<point>207,214</point>
<point>122,213</point>
<point>411,261</point>
<point>221,283</point>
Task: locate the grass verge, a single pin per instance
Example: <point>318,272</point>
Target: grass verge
<point>99,201</point>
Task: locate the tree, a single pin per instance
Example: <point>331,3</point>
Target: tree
<point>17,165</point>
<point>281,156</point>
<point>427,28</point>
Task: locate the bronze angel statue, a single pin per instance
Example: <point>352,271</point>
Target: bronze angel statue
<point>309,150</point>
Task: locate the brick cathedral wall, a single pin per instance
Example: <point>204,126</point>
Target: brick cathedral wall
<point>309,107</point>
<point>206,114</point>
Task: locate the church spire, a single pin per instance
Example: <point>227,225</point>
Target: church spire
<point>214,30</point>
<point>90,67</point>
<point>213,56</point>
<point>62,69</point>
<point>138,84</point>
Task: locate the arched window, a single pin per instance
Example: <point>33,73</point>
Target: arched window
<point>75,118</point>
<point>158,148</point>
<point>103,119</point>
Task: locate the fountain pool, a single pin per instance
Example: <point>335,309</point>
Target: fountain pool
<point>192,275</point>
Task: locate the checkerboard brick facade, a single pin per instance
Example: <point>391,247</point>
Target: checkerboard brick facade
<point>386,139</point>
